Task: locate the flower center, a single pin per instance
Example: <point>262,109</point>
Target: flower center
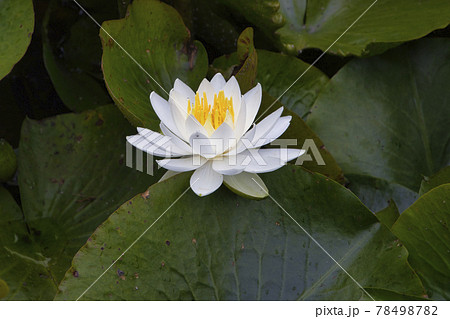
<point>212,116</point>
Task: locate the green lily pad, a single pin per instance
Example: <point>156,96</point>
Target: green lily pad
<point>72,51</point>
<point>8,161</point>
<point>387,295</point>
<point>441,177</point>
<point>16,28</point>
<point>215,28</point>
<point>389,215</point>
<point>423,229</point>
<point>72,176</point>
<point>154,35</point>
<point>24,269</point>
<point>4,289</point>
<point>377,194</point>
<point>388,116</point>
<point>226,247</point>
<point>296,25</point>
<point>277,73</point>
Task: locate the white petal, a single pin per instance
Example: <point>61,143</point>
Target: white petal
<point>149,135</point>
<point>284,154</point>
<point>179,104</point>
<point>183,164</point>
<point>228,165</point>
<point>247,184</point>
<point>246,140</point>
<point>201,145</point>
<point>163,110</point>
<point>232,89</point>
<point>223,138</point>
<point>168,175</point>
<point>208,125</point>
<point>184,90</point>
<point>239,121</point>
<point>182,145</point>
<point>151,148</point>
<point>229,120</point>
<point>250,160</point>
<point>180,101</point>
<point>252,102</point>
<point>255,161</point>
<point>206,87</point>
<point>271,164</point>
<point>218,82</point>
<point>193,126</point>
<point>178,108</point>
<point>205,180</point>
<point>266,125</point>
<point>143,130</point>
<point>155,143</point>
<point>277,130</point>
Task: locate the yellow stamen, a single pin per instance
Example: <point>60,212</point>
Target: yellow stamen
<point>217,114</point>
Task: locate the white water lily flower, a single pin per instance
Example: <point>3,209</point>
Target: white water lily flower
<point>211,132</point>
